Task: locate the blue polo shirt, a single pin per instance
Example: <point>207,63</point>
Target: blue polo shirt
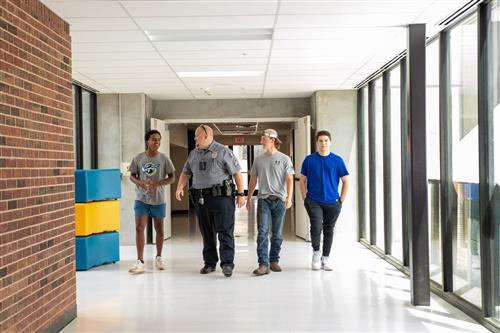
<point>323,174</point>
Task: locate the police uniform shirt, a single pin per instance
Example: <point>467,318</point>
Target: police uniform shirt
<point>211,166</point>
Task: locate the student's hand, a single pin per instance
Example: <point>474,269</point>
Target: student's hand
<point>179,194</point>
<point>288,202</point>
<point>144,185</point>
<point>240,201</point>
<point>249,204</point>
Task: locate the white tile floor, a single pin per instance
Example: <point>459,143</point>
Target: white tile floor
<point>363,293</point>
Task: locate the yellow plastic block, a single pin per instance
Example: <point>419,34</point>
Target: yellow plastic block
<point>96,217</point>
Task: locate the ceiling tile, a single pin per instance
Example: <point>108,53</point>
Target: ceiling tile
<point>94,56</point>
<point>213,45</point>
<point>117,47</point>
<point>209,22</point>
<point>108,36</point>
<point>345,20</point>
<point>72,8</point>
<point>352,6</point>
<point>100,23</point>
<point>199,8</point>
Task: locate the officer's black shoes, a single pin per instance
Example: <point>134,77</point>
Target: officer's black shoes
<point>207,269</point>
<point>227,270</point>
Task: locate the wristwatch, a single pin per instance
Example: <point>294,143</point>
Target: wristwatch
<point>242,194</point>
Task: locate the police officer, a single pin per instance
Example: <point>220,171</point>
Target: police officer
<point>213,167</point>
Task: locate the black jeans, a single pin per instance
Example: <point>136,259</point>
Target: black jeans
<point>216,218</point>
<point>322,218</point>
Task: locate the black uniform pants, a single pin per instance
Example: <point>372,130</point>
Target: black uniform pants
<point>216,217</point>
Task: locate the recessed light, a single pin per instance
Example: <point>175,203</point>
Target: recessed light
<point>208,35</point>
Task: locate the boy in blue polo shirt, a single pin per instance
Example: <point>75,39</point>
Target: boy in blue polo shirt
<point>319,182</point>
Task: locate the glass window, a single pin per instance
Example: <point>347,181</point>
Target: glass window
<point>495,17</point>
<point>75,122</point>
<point>397,218</point>
<point>241,154</point>
<point>465,161</point>
<point>379,164</point>
<point>433,159</point>
<point>366,167</point>
<point>84,111</point>
<point>86,134</point>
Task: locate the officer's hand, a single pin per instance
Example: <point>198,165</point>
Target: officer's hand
<point>179,194</point>
<point>240,201</point>
<point>249,204</point>
<point>288,202</point>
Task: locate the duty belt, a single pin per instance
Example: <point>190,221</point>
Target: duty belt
<point>226,189</point>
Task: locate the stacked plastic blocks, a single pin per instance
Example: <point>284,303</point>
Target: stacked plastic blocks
<point>97,217</point>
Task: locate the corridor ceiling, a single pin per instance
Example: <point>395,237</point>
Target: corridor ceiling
<point>208,49</point>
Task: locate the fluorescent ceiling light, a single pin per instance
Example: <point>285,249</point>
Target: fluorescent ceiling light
<point>209,35</point>
<point>221,74</point>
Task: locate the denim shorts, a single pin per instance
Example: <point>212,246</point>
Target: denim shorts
<point>143,209</point>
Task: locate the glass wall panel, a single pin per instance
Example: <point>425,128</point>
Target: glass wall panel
<point>379,164</point>
<point>366,168</point>
<point>433,159</point>
<point>495,16</point>
<point>397,218</point>
<point>75,113</point>
<point>86,133</point>
<point>465,161</point>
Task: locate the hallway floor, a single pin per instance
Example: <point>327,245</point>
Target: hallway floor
<point>362,293</point>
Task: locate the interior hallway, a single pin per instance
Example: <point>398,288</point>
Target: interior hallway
<point>363,293</point>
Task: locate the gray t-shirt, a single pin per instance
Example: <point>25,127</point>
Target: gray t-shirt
<point>211,166</point>
<point>151,168</point>
<point>271,171</point>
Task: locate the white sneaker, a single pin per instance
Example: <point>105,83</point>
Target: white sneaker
<point>137,268</point>
<point>316,260</point>
<point>325,265</point>
<point>159,264</point>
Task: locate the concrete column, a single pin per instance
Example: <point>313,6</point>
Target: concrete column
<point>121,125</point>
<point>335,111</point>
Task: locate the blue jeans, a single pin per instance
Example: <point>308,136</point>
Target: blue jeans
<point>270,213</point>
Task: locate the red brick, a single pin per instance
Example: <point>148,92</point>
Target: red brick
<point>37,279</point>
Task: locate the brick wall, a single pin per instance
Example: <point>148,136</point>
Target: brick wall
<point>37,270</point>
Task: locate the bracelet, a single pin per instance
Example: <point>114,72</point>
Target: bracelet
<point>242,194</point>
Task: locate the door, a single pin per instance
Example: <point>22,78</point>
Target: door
<point>302,148</point>
<point>162,127</point>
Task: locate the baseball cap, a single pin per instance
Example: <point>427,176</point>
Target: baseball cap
<point>272,134</point>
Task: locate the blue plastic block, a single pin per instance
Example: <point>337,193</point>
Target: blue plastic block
<point>97,185</point>
<point>97,250</point>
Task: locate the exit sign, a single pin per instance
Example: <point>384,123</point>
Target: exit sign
<point>239,139</point>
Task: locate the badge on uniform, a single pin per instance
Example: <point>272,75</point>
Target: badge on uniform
<point>214,155</point>
<point>203,165</point>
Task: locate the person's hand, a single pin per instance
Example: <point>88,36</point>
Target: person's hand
<point>240,201</point>
<point>179,194</point>
<point>288,202</point>
<point>144,185</point>
<point>249,204</point>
